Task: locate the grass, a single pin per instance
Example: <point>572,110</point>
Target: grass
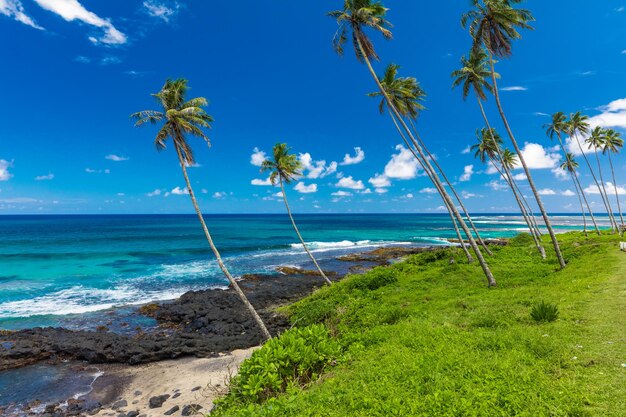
<point>427,338</point>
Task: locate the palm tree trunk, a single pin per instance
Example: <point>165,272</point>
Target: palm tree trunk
<point>470,259</point>
<point>529,218</point>
<point>546,219</point>
<point>232,281</point>
<point>576,180</point>
<point>282,187</point>
<point>606,195</point>
<point>529,210</point>
<point>490,279</point>
<point>582,208</point>
<point>595,179</point>
<point>456,195</point>
<point>619,206</point>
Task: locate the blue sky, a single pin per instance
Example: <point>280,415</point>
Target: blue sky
<point>73,71</point>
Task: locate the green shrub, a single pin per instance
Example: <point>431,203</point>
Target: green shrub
<point>544,312</point>
<point>523,239</point>
<point>374,279</point>
<point>288,362</point>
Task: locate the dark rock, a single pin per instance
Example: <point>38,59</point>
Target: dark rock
<point>176,395</point>
<point>172,410</point>
<point>119,404</point>
<point>132,414</point>
<point>191,409</point>
<point>137,393</point>
<point>157,401</point>
<point>196,389</point>
<point>290,270</point>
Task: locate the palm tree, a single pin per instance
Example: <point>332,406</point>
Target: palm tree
<point>570,165</point>
<point>612,145</point>
<point>354,18</point>
<point>596,141</point>
<point>557,127</point>
<point>487,149</point>
<point>407,95</point>
<point>472,76</point>
<point>181,118</point>
<point>579,125</point>
<point>493,25</point>
<point>284,168</point>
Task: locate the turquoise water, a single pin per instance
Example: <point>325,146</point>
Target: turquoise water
<point>57,267</point>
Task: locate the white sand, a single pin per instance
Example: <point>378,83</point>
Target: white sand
<point>177,376</point>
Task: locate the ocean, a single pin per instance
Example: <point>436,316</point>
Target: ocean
<point>66,270</point>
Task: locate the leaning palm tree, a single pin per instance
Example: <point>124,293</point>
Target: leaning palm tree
<point>596,140</point>
<point>407,95</point>
<point>612,145</point>
<point>493,25</point>
<point>353,19</point>
<point>557,127</point>
<point>284,168</point>
<point>570,165</point>
<point>579,126</point>
<point>181,118</point>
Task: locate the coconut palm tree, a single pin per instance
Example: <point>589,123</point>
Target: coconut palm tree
<point>181,118</point>
<point>579,126</point>
<point>596,141</point>
<point>487,150</point>
<point>353,19</point>
<point>493,25</point>
<point>407,95</point>
<point>472,77</point>
<point>612,145</point>
<point>557,127</point>
<point>285,168</point>
<point>570,165</point>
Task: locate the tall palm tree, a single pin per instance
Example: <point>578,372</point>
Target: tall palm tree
<point>570,165</point>
<point>181,118</point>
<point>472,77</point>
<point>596,141</point>
<point>487,150</point>
<point>557,127</point>
<point>612,145</point>
<point>407,95</point>
<point>284,168</point>
<point>354,18</point>
<point>579,126</point>
<point>493,25</point>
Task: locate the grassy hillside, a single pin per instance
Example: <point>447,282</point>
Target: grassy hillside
<point>426,337</point>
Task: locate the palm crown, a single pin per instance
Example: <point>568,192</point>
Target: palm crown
<point>355,17</point>
<point>596,139</point>
<point>570,164</point>
<point>405,93</point>
<point>485,149</point>
<point>180,117</point>
<point>557,126</point>
<point>284,165</point>
<point>578,123</point>
<point>473,74</point>
<point>509,159</point>
<point>613,142</point>
<point>494,24</point>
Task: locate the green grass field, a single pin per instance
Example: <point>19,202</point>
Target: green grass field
<point>427,338</point>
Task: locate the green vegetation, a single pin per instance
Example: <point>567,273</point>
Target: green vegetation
<point>544,312</point>
<point>425,337</point>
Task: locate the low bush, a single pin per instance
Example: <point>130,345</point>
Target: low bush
<point>544,312</point>
<point>374,279</point>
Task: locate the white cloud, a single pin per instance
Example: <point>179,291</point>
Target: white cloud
<point>380,181</point>
<point>262,183</point>
<point>305,189</point>
<point>467,195</point>
<point>407,196</point>
<point>161,10</point>
<point>154,193</point>
<point>520,177</point>
<point>71,10</point>
<point>497,185</point>
<point>467,150</point>
<point>257,157</point>
<point>514,88</point>
<point>97,171</point>
<point>568,193</point>
<point>468,171</point>
<point>538,157</point>
<point>278,194</point>
<point>356,159</point>
<point>429,190</point>
<point>547,191</point>
<point>179,191</point>
<point>381,190</point>
<point>5,175</point>
<point>14,9</point>
<point>349,182</point>
<point>316,169</point>
<point>366,191</point>
<point>613,115</point>
<point>341,193</point>
<point>44,177</point>
<point>116,158</point>
<point>610,189</point>
<point>219,195</point>
<point>403,165</point>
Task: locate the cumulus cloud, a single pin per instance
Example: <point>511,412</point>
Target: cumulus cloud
<point>467,195</point>
<point>341,193</point>
<point>613,115</point>
<point>403,165</point>
<point>263,183</point>
<point>381,190</point>
<point>44,177</point>
<point>219,195</point>
<point>546,191</point>
<point>380,181</point>
<point>15,10</point>
<point>305,189</point>
<point>497,185</point>
<point>316,169</point>
<point>179,191</point>
<point>5,175</point>
<point>356,159</point>
<point>568,193</point>
<point>257,157</point>
<point>349,182</point>
<point>161,9</point>
<point>467,150</point>
<point>429,190</point>
<point>71,10</point>
<point>154,193</point>
<point>468,171</point>
<point>538,157</point>
<point>610,189</point>
<point>116,158</point>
